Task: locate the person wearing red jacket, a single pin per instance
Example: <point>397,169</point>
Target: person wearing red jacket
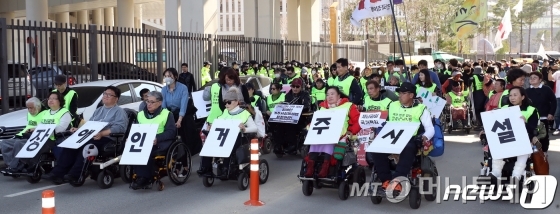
<point>335,99</point>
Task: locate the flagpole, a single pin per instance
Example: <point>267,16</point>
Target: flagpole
<point>399,37</point>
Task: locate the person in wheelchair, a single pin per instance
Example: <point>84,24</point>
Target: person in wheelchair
<point>530,115</point>
<point>318,91</point>
<point>257,100</point>
<point>232,111</point>
<point>166,134</point>
<point>276,96</point>
<point>335,99</point>
<point>10,147</point>
<point>69,165</point>
<point>377,99</point>
<point>286,134</point>
<point>457,99</point>
<point>56,114</point>
<point>406,110</point>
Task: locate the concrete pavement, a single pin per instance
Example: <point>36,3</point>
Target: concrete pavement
<point>282,193</point>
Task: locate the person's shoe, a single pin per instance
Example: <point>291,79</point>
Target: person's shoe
<point>204,172</point>
<point>324,169</point>
<point>140,183</point>
<point>13,171</point>
<point>556,132</point>
<point>70,178</point>
<point>49,176</point>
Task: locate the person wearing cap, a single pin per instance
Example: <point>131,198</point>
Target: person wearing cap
<point>232,111</point>
<point>404,110</point>
<point>253,69</point>
<point>348,85</point>
<point>221,65</point>
<point>187,78</point>
<point>205,73</point>
<point>307,81</point>
<point>286,141</point>
<point>456,77</point>
<point>244,69</point>
<point>264,69</point>
<point>235,67</point>
<point>70,98</point>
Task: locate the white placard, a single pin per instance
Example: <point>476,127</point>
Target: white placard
<point>506,133</point>
<point>326,126</point>
<point>221,138</point>
<point>391,88</point>
<point>202,106</point>
<point>372,119</point>
<point>83,135</point>
<point>36,141</point>
<point>434,104</point>
<point>139,144</point>
<point>286,114</point>
<point>393,137</point>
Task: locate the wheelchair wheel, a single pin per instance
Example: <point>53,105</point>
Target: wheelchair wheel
<point>263,171</point>
<point>307,187</point>
<point>35,178</point>
<point>414,199</point>
<point>344,190</point>
<point>376,199</point>
<point>242,181</point>
<point>105,179</point>
<point>359,175</point>
<point>207,181</point>
<point>178,157</point>
<point>126,173</point>
<point>430,197</point>
<point>266,146</point>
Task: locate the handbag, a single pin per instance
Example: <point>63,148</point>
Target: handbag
<point>540,163</point>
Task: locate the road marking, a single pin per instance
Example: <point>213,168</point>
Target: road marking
<point>33,190</point>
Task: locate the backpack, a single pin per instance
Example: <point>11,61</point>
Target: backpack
<point>438,139</point>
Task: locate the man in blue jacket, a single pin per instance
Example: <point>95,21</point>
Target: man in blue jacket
<point>423,64</point>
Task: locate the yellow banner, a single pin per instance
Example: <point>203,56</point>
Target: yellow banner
<point>468,17</point>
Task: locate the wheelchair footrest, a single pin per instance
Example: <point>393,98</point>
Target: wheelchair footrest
<point>302,178</point>
<point>108,163</point>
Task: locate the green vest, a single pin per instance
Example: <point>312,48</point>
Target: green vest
<point>319,94</point>
<point>430,89</point>
<point>363,82</point>
<point>32,122</point>
<point>205,75</point>
<point>346,106</point>
<point>344,85</point>
<point>371,105</point>
<point>243,116</point>
<point>68,99</point>
<point>477,83</point>
<point>399,114</point>
<point>215,110</point>
<point>251,71</point>
<point>263,72</point>
<point>490,93</point>
<point>254,103</point>
<point>290,80</point>
<point>330,81</point>
<point>161,119</point>
<point>272,103</point>
<point>48,118</point>
<point>527,113</point>
<point>506,92</point>
<point>297,70</point>
<point>457,101</point>
<point>271,73</point>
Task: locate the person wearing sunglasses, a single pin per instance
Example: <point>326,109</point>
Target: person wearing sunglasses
<point>332,76</point>
<point>233,112</point>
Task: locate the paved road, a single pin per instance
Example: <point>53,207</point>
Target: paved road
<point>282,193</point>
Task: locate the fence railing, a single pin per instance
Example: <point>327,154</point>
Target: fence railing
<point>33,53</point>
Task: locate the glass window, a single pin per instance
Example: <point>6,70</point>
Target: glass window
<point>126,96</point>
<point>88,95</point>
<point>140,86</point>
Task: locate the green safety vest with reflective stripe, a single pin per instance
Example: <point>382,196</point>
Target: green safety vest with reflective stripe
<point>477,83</point>
<point>345,106</point>
<point>506,92</point>
<point>68,98</point>
<point>372,105</point>
<point>319,94</point>
<point>32,122</point>
<point>270,104</point>
<point>254,103</point>
<point>457,101</point>
<point>330,81</point>
<point>527,113</point>
<point>251,71</point>
<point>430,89</point>
<point>205,75</point>
<point>48,118</point>
<point>243,116</point>
<point>263,72</point>
<point>290,80</point>
<point>215,110</point>
<point>399,114</point>
<point>161,120</point>
<point>344,85</point>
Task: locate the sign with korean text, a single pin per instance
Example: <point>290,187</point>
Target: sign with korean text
<point>393,137</point>
<point>326,126</point>
<point>221,138</point>
<point>433,103</point>
<point>139,144</point>
<point>83,134</point>
<point>36,141</point>
<point>286,114</point>
<point>506,132</point>
<point>372,119</point>
<point>202,106</point>
<point>365,137</point>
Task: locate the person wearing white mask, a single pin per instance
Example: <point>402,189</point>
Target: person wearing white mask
<point>278,76</point>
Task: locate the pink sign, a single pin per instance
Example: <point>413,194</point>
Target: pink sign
<point>365,137</point>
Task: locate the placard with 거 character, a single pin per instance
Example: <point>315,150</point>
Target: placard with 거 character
<point>36,141</point>
<point>286,114</point>
<point>393,137</point>
<point>221,138</point>
<point>202,106</point>
<point>506,133</point>
<point>83,134</point>
<point>139,144</point>
<point>372,119</point>
<point>326,126</point>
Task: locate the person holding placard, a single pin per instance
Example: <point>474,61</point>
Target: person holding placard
<point>425,81</point>
<point>58,115</point>
<point>276,97</point>
<point>518,97</point>
<point>69,165</point>
<point>166,134</point>
<point>335,99</point>
<point>515,77</point>
<point>285,135</point>
<point>10,147</point>
<point>377,99</point>
<point>233,111</point>
<point>406,110</point>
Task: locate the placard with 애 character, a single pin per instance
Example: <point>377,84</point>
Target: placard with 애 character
<point>202,106</point>
<point>36,141</point>
<point>83,134</point>
<point>286,114</point>
<point>326,126</point>
<point>393,137</point>
<point>221,138</point>
<point>372,119</point>
<point>139,144</point>
<point>506,132</point>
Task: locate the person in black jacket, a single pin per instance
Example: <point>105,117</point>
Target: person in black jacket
<point>544,101</point>
<point>187,78</point>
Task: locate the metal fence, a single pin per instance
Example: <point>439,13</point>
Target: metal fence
<point>32,53</point>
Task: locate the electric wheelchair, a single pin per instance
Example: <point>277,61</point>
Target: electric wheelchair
<point>342,173</point>
<point>423,166</point>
